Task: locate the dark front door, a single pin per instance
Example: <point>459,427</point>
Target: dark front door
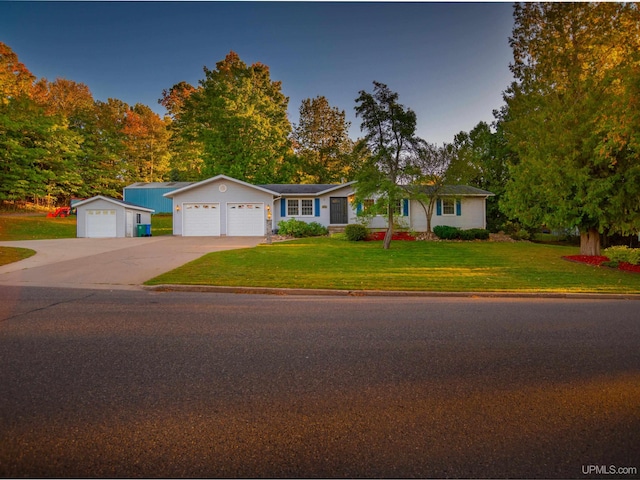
<point>338,213</point>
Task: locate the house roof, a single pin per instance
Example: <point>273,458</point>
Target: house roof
<point>460,190</point>
<point>173,185</point>
<point>214,179</point>
<point>305,189</point>
<point>115,201</point>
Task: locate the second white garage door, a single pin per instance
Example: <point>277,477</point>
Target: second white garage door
<point>245,219</point>
<point>201,219</point>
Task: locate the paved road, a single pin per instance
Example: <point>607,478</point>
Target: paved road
<point>110,263</point>
<point>144,384</point>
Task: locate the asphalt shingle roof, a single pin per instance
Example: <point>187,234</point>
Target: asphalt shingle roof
<point>293,189</point>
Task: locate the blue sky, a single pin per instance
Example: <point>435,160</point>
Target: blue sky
<point>449,62</point>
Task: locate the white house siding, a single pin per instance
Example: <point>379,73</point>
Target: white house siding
<point>325,207</point>
<point>472,215</point>
<point>121,216</point>
<point>211,193</point>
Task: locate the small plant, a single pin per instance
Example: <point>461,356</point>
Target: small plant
<point>356,232</point>
<point>622,253</point>
<point>298,228</point>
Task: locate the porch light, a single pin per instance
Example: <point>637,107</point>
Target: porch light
<point>177,208</point>
<point>268,212</point>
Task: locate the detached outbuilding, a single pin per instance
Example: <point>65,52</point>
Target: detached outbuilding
<point>106,217</point>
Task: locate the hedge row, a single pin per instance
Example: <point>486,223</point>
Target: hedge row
<point>298,228</point>
<point>453,233</point>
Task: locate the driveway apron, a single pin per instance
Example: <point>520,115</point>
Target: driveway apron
<point>109,263</point>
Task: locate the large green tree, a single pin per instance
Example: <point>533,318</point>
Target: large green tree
<point>186,151</point>
<point>483,156</point>
<point>572,118</point>
<point>390,136</point>
<point>38,154</point>
<point>321,141</point>
<point>239,117</point>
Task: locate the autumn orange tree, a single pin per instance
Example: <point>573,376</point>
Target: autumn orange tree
<point>57,142</point>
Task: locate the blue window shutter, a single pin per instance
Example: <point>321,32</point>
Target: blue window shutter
<point>317,207</point>
<point>458,207</point>
<point>405,207</point>
<point>438,207</point>
<point>359,207</point>
<point>283,207</point>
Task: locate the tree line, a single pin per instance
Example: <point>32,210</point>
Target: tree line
<point>57,142</point>
<point>563,150</point>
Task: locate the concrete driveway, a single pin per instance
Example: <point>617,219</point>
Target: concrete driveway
<point>109,263</point>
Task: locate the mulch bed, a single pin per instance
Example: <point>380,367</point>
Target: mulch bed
<point>597,261</point>
<point>377,236</point>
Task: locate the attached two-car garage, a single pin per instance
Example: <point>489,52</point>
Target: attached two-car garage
<point>204,219</point>
<point>221,206</point>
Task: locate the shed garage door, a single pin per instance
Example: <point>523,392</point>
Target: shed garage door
<point>101,223</point>
<point>245,219</point>
<point>201,219</point>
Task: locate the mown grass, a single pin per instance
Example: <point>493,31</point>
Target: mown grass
<point>40,227</point>
<point>412,266</point>
<point>11,254</point>
<point>36,227</point>
<point>161,224</point>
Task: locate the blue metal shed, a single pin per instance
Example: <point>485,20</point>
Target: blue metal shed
<point>150,195</point>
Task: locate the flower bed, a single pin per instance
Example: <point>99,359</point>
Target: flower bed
<point>599,260</point>
<point>377,236</point>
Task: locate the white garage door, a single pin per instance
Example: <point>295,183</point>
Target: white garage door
<point>101,223</point>
<point>245,219</point>
<point>201,219</point>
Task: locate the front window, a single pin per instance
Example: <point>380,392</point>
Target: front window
<point>292,208</point>
<point>448,207</point>
<point>300,207</point>
<point>307,207</point>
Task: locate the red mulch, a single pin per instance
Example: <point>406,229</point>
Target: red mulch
<point>598,260</point>
<point>377,236</point>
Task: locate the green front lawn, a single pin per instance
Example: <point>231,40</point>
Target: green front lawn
<point>417,266</point>
<point>10,254</point>
<point>41,227</point>
<point>36,227</point>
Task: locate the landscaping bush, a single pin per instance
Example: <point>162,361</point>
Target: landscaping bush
<point>446,233</point>
<point>479,233</point>
<point>622,253</point>
<point>467,235</point>
<point>298,228</point>
<point>356,232</point>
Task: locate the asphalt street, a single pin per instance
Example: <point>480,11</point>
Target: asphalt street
<point>132,383</point>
